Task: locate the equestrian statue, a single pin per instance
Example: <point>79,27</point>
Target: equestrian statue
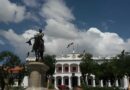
<point>38,46</point>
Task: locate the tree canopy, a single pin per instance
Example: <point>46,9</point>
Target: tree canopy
<point>50,61</point>
<point>10,59</point>
<point>114,68</point>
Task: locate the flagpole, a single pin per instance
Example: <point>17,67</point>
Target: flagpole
<point>77,48</point>
<point>73,49</point>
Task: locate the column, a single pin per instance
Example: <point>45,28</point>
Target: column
<point>55,68</point>
<point>93,82</point>
<point>69,68</point>
<point>86,79</point>
<point>78,68</point>
<point>109,83</point>
<point>101,83</point>
<point>55,82</point>
<point>25,81</point>
<point>62,80</point>
<point>62,69</point>
<point>70,86</point>
<point>79,82</point>
<point>125,82</point>
<point>116,83</point>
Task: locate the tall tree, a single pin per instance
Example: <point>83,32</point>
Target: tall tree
<point>50,61</point>
<point>87,65</point>
<point>10,60</point>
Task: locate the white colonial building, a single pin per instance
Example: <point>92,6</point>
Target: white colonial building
<point>67,67</point>
<point>67,72</point>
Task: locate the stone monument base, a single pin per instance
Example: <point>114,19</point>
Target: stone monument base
<point>37,75</point>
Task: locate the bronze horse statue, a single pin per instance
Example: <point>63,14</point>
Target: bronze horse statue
<point>38,46</point>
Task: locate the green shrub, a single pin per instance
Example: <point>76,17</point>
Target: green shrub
<point>51,86</point>
<point>16,88</point>
<point>101,88</point>
<point>83,85</point>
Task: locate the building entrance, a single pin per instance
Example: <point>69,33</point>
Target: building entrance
<point>59,81</point>
<point>74,81</point>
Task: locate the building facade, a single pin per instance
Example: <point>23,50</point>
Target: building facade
<point>67,73</point>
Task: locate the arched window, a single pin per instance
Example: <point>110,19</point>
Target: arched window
<point>59,68</point>
<point>74,68</point>
<point>66,68</point>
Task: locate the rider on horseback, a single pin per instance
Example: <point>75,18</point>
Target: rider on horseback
<point>38,45</point>
<point>40,34</point>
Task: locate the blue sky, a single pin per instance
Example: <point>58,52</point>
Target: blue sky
<point>108,15</point>
<point>106,22</point>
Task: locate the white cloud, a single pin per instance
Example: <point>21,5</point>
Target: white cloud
<point>56,9</point>
<point>127,45</point>
<point>93,41</point>
<point>31,3</point>
<point>29,33</point>
<point>58,18</point>
<point>101,43</point>
<point>11,12</point>
<point>59,32</point>
<point>17,41</point>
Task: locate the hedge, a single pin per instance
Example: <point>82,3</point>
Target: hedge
<point>100,88</point>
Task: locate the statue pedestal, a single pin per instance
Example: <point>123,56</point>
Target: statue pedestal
<point>37,75</point>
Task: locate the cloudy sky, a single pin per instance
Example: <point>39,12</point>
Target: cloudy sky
<point>101,27</point>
